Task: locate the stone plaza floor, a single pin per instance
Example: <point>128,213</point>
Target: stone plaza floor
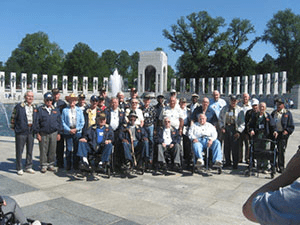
<point>181,198</point>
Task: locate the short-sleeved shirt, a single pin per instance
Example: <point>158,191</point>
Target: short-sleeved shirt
<point>217,105</point>
<point>278,207</point>
<point>174,115</point>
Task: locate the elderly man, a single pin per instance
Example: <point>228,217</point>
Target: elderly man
<point>134,138</point>
<point>73,123</point>
<point>99,138</point>
<point>81,102</point>
<point>149,114</point>
<point>232,124</point>
<point>174,113</point>
<point>135,107</point>
<point>159,107</point>
<point>122,104</point>
<point>168,139</point>
<point>48,129</point>
<point>207,110</point>
<point>284,128</point>
<point>217,103</point>
<point>22,121</point>
<point>204,135</point>
<point>194,103</point>
<point>90,113</point>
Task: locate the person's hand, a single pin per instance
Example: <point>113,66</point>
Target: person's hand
<point>180,132</point>
<point>236,135</point>
<point>223,130</point>
<point>252,133</point>
<point>82,140</point>
<point>164,145</point>
<point>145,139</point>
<point>39,137</point>
<point>195,140</point>
<point>275,134</point>
<point>285,132</point>
<point>125,141</point>
<point>73,131</point>
<point>209,143</point>
<point>58,137</point>
<point>171,145</point>
<point>107,142</point>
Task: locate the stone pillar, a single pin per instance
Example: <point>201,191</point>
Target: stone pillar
<point>295,95</point>
<point>45,83</point>
<point>182,85</point>
<point>220,86</point>
<point>85,85</point>
<point>54,81</point>
<point>260,81</point>
<point>2,82</point>
<point>95,85</point>
<point>275,83</point>
<point>173,83</point>
<point>237,85</point>
<point>105,83</point>
<point>158,89</point>
<point>75,85</point>
<point>23,83</point>
<point>268,84</point>
<point>283,82</point>
<point>202,86</point>
<point>65,85</point>
<point>211,85</point>
<point>192,85</point>
<point>245,83</point>
<point>252,85</point>
<point>34,83</point>
<point>13,84</point>
<point>229,86</point>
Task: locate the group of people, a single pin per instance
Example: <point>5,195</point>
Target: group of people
<point>141,133</point>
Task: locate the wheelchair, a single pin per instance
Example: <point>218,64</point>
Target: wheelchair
<point>265,150</point>
<point>95,166</point>
<point>207,158</point>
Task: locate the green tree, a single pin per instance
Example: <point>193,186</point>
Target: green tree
<point>133,71</point>
<point>109,58</point>
<point>36,54</point>
<point>267,65</point>
<point>283,31</point>
<point>82,61</point>
<point>123,63</point>
<point>198,37</point>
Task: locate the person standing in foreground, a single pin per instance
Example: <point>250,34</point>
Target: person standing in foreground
<point>48,129</point>
<point>277,202</point>
<point>22,121</point>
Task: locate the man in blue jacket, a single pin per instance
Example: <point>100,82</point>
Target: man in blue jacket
<point>134,138</point>
<point>48,129</point>
<point>22,121</point>
<point>168,139</point>
<point>97,139</point>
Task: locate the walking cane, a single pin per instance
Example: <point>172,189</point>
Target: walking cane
<point>132,147</point>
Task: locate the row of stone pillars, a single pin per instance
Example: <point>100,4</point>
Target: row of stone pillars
<point>267,84</point>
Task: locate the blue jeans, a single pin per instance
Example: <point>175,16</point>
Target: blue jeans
<point>105,150</point>
<point>150,130</point>
<point>215,147</point>
<point>72,148</point>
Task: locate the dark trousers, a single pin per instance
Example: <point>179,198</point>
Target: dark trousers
<point>281,146</point>
<point>231,146</point>
<point>60,149</point>
<point>21,140</point>
<point>72,148</point>
<point>245,141</point>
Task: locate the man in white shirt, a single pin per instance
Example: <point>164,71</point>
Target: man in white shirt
<point>204,135</point>
<point>217,103</point>
<point>175,115</point>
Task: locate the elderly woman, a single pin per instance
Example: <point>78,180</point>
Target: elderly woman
<point>73,122</point>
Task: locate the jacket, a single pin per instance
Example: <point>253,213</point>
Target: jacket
<point>48,123</point>
<point>239,118</point>
<point>66,120</point>
<point>158,139</point>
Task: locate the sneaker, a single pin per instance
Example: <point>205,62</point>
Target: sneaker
<point>200,162</point>
<point>20,172</point>
<point>218,163</point>
<point>30,170</point>
<point>44,170</point>
<point>36,222</point>
<point>52,168</point>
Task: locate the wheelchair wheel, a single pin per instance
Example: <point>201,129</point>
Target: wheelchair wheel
<point>219,170</point>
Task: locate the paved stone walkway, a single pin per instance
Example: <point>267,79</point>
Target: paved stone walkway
<point>62,198</point>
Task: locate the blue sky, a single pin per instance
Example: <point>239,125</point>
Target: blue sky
<point>131,25</point>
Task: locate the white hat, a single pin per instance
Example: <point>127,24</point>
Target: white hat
<point>254,101</point>
<point>173,91</point>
